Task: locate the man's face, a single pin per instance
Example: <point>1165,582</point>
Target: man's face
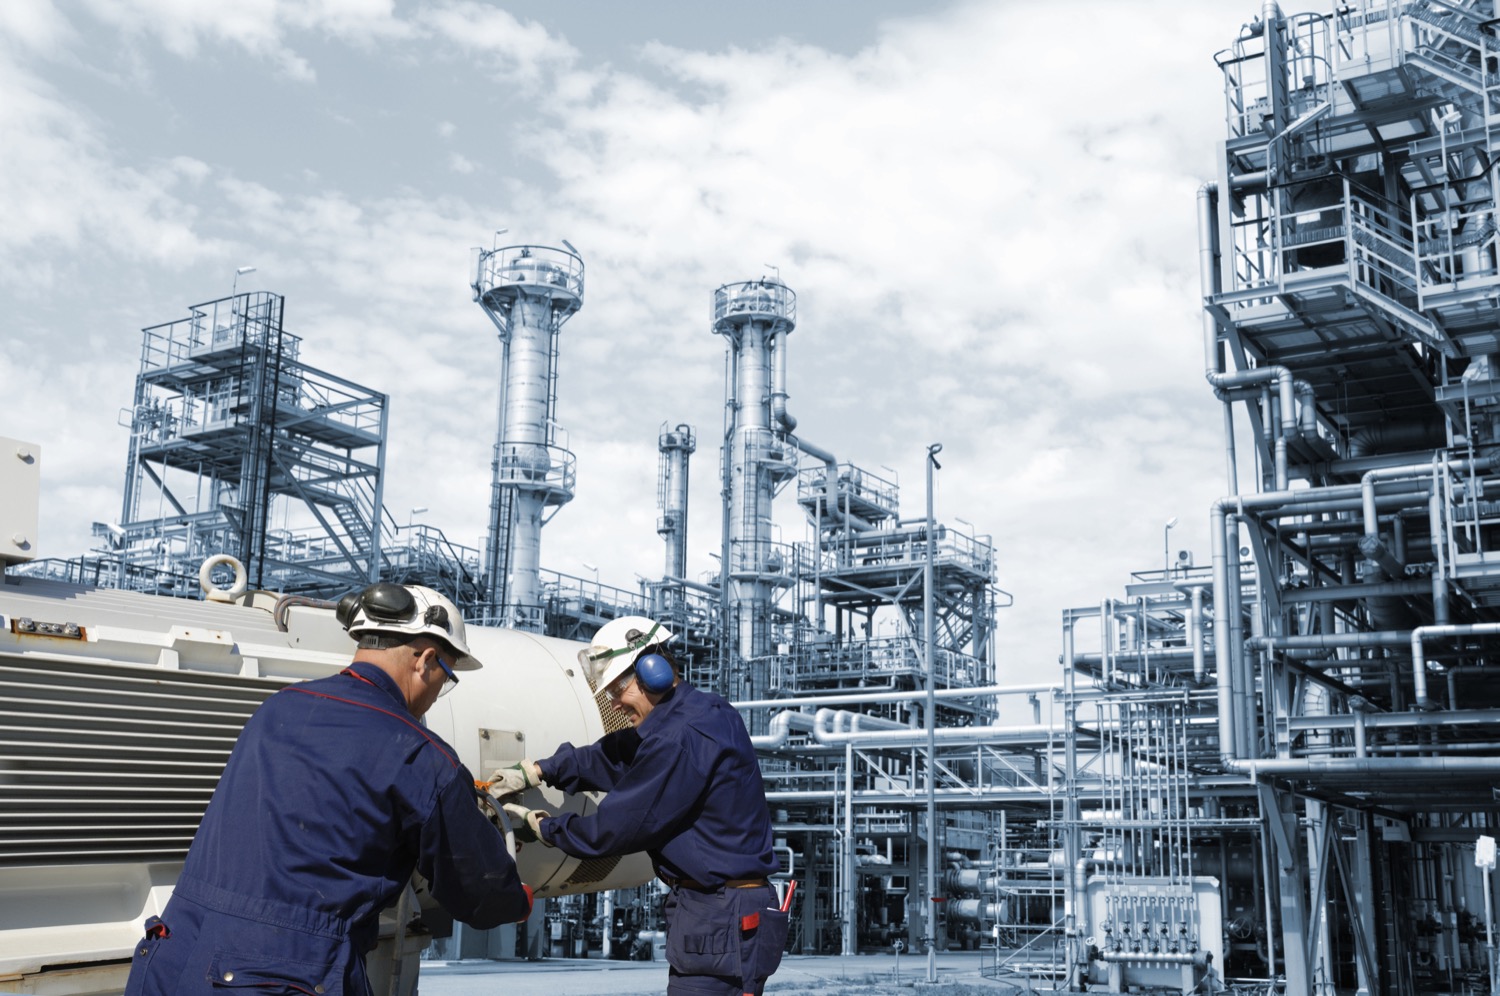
<point>629,698</point>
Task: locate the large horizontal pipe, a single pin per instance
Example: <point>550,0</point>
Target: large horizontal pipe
<point>1486,766</point>
<point>1347,592</point>
<point>707,589</point>
<point>781,728</point>
<point>830,724</point>
<point>858,698</point>
<point>949,798</point>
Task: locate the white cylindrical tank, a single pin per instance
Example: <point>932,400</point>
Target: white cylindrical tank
<point>119,710</point>
<point>530,697</point>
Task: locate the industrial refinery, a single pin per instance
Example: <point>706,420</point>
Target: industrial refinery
<point>1277,771</point>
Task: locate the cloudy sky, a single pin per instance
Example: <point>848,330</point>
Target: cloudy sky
<point>986,210</point>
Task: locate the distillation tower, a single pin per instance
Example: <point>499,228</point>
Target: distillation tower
<point>759,458</point>
<point>676,447</point>
<point>528,292</point>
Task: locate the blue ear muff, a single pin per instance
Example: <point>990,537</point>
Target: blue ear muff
<point>654,672</point>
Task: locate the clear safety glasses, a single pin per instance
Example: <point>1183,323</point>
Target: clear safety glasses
<point>452,679</point>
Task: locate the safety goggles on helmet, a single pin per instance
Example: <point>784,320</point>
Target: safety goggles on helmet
<point>409,610</point>
<point>616,646</point>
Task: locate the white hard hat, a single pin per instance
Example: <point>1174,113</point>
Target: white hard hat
<point>413,610</point>
<point>613,649</point>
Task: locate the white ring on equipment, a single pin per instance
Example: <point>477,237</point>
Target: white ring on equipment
<point>215,594</point>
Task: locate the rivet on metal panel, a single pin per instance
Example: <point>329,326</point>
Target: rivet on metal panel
<point>520,735</point>
<point>484,734</point>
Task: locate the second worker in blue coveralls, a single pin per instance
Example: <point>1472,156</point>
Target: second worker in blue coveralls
<point>333,795</point>
<point>683,785</point>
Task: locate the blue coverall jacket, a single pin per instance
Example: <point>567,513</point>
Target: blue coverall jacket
<point>685,787</point>
<point>332,796</point>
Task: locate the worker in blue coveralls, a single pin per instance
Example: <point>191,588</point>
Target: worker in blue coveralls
<point>333,795</point>
<point>683,785</point>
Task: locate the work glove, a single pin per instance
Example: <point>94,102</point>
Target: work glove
<point>526,823</point>
<point>512,780</point>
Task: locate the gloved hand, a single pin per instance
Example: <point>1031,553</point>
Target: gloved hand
<point>513,780</point>
<point>526,823</point>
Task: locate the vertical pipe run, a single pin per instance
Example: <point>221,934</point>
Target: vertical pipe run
<point>850,947</point>
<point>929,720</point>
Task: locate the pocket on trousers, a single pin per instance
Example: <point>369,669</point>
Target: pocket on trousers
<point>762,946</point>
<point>270,974</point>
<point>700,935</point>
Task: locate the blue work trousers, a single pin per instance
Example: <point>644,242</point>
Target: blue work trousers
<point>723,943</point>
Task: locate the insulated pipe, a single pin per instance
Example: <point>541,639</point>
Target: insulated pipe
<point>1287,386</point>
<point>1228,731</point>
<point>830,479</point>
<point>977,910</point>
<point>707,589</point>
<point>1195,629</point>
<point>1419,660</point>
<point>1440,611</point>
<point>778,383</point>
<point>1412,470</point>
<point>836,727</point>
<point>781,728</point>
<point>870,698</point>
<point>1473,766</point>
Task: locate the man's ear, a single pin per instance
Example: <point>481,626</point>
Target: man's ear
<point>423,658</point>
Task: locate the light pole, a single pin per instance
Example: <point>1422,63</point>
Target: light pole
<point>239,272</point>
<point>412,515</point>
<point>929,720</point>
<point>590,567</point>
<point>1166,556</point>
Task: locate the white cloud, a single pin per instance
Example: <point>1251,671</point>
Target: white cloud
<point>62,191</point>
<point>515,49</point>
<point>34,24</point>
<point>989,228</point>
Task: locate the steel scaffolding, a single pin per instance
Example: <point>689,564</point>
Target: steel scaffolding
<point>236,446</point>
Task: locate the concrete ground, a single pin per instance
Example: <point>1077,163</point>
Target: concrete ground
<point>958,974</point>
